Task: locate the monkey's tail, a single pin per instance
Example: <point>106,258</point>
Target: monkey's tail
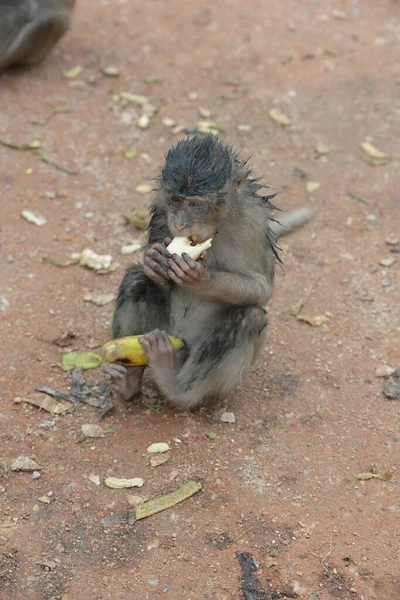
<point>285,223</point>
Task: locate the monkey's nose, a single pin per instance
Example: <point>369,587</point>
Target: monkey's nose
<point>180,227</point>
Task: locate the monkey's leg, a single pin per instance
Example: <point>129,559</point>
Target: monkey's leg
<point>28,30</point>
<point>141,306</point>
<point>217,362</point>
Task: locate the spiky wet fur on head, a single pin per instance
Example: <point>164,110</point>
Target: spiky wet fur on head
<point>203,168</point>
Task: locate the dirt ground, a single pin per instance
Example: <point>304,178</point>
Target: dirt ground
<point>280,482</point>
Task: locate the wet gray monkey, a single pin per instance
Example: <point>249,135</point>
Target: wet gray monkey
<point>217,304</point>
<point>30,28</point>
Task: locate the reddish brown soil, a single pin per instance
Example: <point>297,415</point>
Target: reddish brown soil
<point>279,483</point>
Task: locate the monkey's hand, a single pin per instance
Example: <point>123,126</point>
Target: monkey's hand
<point>185,271</point>
<point>156,264</point>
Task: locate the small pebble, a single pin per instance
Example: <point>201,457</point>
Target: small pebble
<point>153,580</point>
<point>312,186</point>
<point>227,417</point>
<point>110,71</point>
<point>392,241</point>
<point>36,475</point>
<point>135,500</point>
<point>24,463</point>
<point>143,122</point>
<point>158,448</point>
<point>386,283</point>
<point>384,371</point>
<point>387,262</point>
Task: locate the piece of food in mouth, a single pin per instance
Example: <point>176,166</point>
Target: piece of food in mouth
<point>129,352</point>
<point>181,244</point>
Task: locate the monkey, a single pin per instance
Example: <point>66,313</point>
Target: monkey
<point>215,304</point>
<point>29,29</point>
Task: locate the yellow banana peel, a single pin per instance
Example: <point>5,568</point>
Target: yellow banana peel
<point>129,352</point>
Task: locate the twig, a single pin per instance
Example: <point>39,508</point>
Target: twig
<point>50,161</point>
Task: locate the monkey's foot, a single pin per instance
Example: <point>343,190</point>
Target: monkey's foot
<point>161,357</point>
<point>124,381</point>
<point>33,40</point>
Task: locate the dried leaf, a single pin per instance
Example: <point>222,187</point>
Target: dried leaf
<point>140,220</point>
<point>154,506</point>
<point>279,117</point>
<point>314,321</point>
<point>47,403</point>
<point>357,197</point>
<point>211,434</point>
<point>99,299</point>
<point>153,79</point>
<point>297,306</point>
<point>29,216</point>
<point>86,360</point>
<point>50,161</point>
<point>3,466</point>
<point>74,72</point>
<point>205,113</point>
<point>375,162</point>
<point>380,476</point>
<point>118,483</point>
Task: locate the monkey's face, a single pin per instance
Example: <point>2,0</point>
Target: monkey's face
<point>194,215</point>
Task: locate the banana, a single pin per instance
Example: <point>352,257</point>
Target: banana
<point>128,351</point>
<point>185,244</point>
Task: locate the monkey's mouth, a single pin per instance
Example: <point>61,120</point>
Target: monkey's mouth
<point>194,239</point>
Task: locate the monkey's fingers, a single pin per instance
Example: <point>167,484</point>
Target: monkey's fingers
<point>151,274</point>
<point>161,249</point>
<point>113,371</point>
<point>197,268</point>
<point>178,269</point>
<point>158,255</point>
<point>167,241</point>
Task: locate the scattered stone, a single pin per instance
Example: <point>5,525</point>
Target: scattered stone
<point>384,371</point>
<point>135,500</point>
<point>297,172</point>
<point>169,122</point>
<point>29,216</point>
<point>99,299</point>
<point>322,149</point>
<point>244,127</point>
<point>158,448</point>
<point>92,430</point>
<point>144,188</point>
<point>110,520</point>
<point>387,262</point>
<point>131,248</point>
<point>36,475</point>
<point>153,580</point>
<point>45,499</point>
<point>143,122</point>
<point>211,434</point>
<point>392,390</point>
<point>392,241</point>
<point>205,113</point>
<point>312,186</point>
<point>227,417</point>
<point>279,117</point>
<point>110,71</point>
<point>24,463</point>
<point>94,479</point>
<point>159,459</point>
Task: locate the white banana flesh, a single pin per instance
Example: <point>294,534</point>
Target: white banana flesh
<point>180,244</point>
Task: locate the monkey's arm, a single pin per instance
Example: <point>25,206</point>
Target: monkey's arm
<point>232,288</point>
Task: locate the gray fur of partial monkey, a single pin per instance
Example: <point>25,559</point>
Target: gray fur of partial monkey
<point>29,29</point>
<point>216,305</point>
